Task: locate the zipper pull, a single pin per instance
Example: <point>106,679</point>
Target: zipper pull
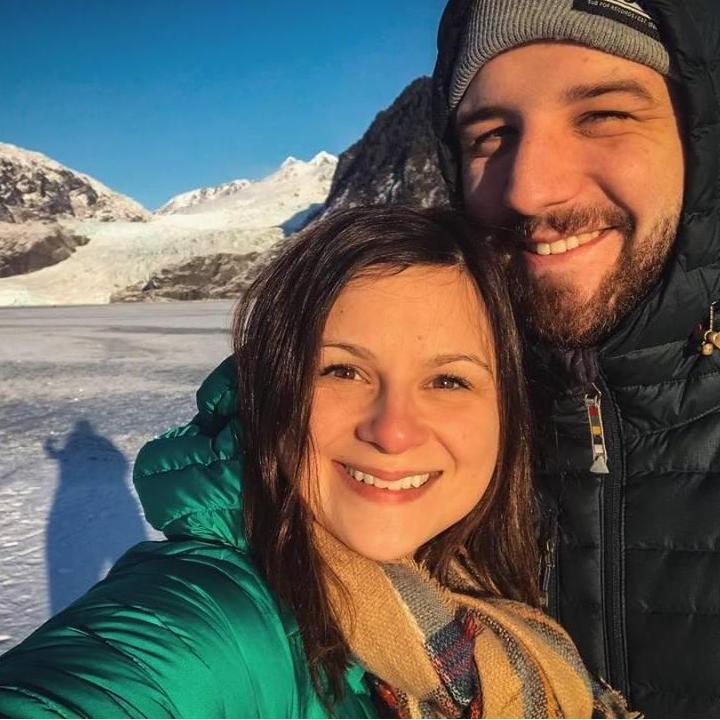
<point>597,432</point>
<point>548,564</point>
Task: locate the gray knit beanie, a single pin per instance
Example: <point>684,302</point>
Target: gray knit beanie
<point>618,27</point>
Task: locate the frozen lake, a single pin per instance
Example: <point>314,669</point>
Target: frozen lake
<point>81,389</point>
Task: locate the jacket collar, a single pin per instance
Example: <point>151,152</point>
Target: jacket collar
<point>189,479</point>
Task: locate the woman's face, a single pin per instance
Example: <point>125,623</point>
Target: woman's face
<point>404,416</point>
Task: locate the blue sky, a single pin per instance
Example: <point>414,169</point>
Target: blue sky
<point>155,97</point>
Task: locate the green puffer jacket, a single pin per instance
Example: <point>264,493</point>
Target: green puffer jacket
<point>184,627</point>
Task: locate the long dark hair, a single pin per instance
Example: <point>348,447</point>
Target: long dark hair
<point>278,329</point>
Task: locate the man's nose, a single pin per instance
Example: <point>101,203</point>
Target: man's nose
<point>544,173</point>
<point>392,424</point>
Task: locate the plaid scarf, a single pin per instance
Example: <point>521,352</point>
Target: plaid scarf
<point>433,651</point>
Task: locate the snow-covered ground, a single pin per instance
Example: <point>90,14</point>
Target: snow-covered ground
<point>81,389</point>
<point>252,218</point>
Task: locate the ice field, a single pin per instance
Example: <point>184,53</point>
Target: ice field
<point>81,389</point>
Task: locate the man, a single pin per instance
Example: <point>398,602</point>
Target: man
<point>587,132</point>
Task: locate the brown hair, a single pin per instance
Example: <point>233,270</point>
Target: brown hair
<point>277,333</point>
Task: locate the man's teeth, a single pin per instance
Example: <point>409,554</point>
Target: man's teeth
<point>562,246</point>
<point>405,483</point>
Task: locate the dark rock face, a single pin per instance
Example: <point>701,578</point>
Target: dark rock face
<point>32,246</point>
<point>223,275</point>
<point>34,187</point>
<point>396,159</point>
<point>51,194</point>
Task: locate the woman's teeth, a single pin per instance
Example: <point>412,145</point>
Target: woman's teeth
<point>405,483</point>
<point>562,246</point>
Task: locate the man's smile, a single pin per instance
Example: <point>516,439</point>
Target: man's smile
<point>562,245</point>
<point>587,250</point>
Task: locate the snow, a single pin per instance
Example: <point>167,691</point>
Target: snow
<point>200,195</point>
<point>82,390</point>
<point>123,253</point>
<point>322,166</point>
<point>274,199</point>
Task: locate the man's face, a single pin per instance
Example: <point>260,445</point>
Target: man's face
<point>577,155</point>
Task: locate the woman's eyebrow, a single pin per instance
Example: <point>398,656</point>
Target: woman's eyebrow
<point>436,361</point>
<point>356,350</point>
<point>459,357</point>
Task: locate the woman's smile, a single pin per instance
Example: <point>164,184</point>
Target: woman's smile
<point>384,486</point>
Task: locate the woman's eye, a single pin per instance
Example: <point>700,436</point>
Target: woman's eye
<point>450,382</point>
<point>343,372</point>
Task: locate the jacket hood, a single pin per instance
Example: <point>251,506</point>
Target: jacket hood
<point>690,29</point>
<point>189,479</point>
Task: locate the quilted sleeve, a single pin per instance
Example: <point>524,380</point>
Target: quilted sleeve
<point>177,629</point>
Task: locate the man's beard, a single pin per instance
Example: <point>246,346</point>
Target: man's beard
<point>550,307</point>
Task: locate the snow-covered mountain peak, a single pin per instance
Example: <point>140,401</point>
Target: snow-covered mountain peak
<point>295,182</point>
<point>321,166</point>
<point>292,164</point>
<point>21,155</point>
<point>324,158</point>
<point>289,161</point>
<point>36,187</point>
<point>199,196</point>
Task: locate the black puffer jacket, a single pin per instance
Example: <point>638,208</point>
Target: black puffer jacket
<point>637,560</point>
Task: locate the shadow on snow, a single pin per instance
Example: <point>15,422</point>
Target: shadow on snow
<point>93,518</point>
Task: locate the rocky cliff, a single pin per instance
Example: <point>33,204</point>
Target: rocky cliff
<point>35,187</point>
<point>210,277</point>
<point>396,160</point>
<point>25,247</point>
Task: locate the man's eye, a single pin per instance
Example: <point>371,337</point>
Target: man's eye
<point>342,372</point>
<point>490,142</point>
<point>603,115</point>
<point>450,382</point>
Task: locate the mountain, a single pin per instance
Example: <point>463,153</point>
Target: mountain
<point>243,193</point>
<point>252,198</point>
<point>201,195</point>
<point>122,255</point>
<point>34,187</point>
<point>198,239</point>
<point>396,159</point>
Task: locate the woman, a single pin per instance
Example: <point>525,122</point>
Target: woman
<point>385,510</point>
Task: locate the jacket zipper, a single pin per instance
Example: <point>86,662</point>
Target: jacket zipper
<point>611,517</point>
<point>550,566</point>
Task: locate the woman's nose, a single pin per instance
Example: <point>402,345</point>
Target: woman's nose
<point>392,425</point>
